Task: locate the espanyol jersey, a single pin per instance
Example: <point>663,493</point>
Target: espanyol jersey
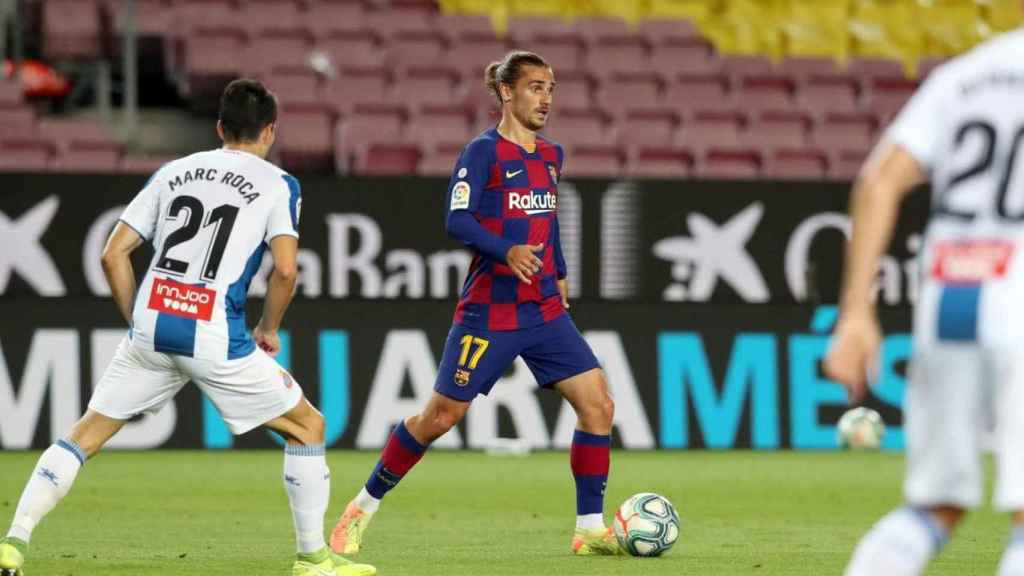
<point>965,126</point>
<point>512,193</point>
<point>209,216</point>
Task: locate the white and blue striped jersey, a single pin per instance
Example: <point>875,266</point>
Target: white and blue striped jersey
<point>209,216</point>
<point>965,126</point>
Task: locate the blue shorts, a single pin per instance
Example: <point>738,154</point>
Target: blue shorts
<point>475,359</point>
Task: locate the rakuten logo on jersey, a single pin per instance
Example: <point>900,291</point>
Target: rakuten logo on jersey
<point>971,261</point>
<point>185,300</point>
<point>532,203</point>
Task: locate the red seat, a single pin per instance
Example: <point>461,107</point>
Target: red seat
<point>425,86</point>
<point>572,127</point>
<point>798,164</point>
<point>563,53</point>
<point>143,164</point>
<point>572,91</point>
<point>844,131</point>
<point>416,50</point>
<point>435,126</point>
<point>760,93</point>
<point>668,31</point>
<point>153,18</point>
<point>368,124</point>
<point>594,28</point>
<point>712,130</point>
<point>354,87</point>
<point>665,162</point>
<point>731,164</point>
<point>394,20</point>
<point>16,116</point>
<point>282,16</point>
<point>389,160</point>
<point>190,15</point>
<point>11,93</point>
<point>703,92</point>
<point>470,54</point>
<point>589,161</point>
<point>695,56</point>
<point>888,95</point>
<point>294,85</point>
<point>25,156</point>
<point>742,66</point>
<point>871,69</point>
<point>612,54</point>
<point>803,67</point>
<point>277,50</point>
<point>353,50</point>
<point>71,29</point>
<point>439,160</point>
<point>89,157</point>
<point>306,137</point>
<point>525,28</point>
<point>846,164</point>
<point>624,91</point>
<point>327,17</point>
<point>777,130</point>
<point>77,132</point>
<point>211,62</point>
<point>646,129</point>
<point>821,95</point>
<point>459,26</point>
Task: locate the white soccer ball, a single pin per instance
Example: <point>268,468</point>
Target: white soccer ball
<point>860,429</point>
<point>646,525</point>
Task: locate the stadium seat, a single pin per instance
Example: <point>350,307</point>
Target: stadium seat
<point>571,127</point>
<point>657,31</point>
<point>434,126</point>
<point>277,50</point>
<point>730,164</point>
<point>871,69</point>
<point>666,163</point>
<point>11,93</point>
<point>67,133</point>
<point>777,129</point>
<point>439,161</point>
<point>739,66</point>
<point>425,86</point>
<point>325,18</point>
<point>388,160</point>
<point>147,164</point>
<point>594,28</point>
<point>846,164</point>
<point>624,91</point>
<point>845,131</point>
<point>573,91</point>
<point>153,18</point>
<point>760,93</point>
<point>592,161</point>
<point>698,92</point>
<point>16,116</point>
<point>258,17</point>
<point>612,54</point>
<point>693,56</point>
<point>646,129</point>
<point>190,15</point>
<point>457,27</point>
<point>211,62</point>
<point>525,28</point>
<point>352,50</point>
<point>353,87</point>
<point>888,95</point>
<point>821,95</point>
<point>804,67</point>
<point>71,29</point>
<point>563,53</point>
<point>416,50</point>
<point>711,129</point>
<point>89,157</point>
<point>366,125</point>
<point>471,53</point>
<point>294,85</point>
<point>306,137</point>
<point>395,19</point>
<point>25,155</point>
<point>798,164</point>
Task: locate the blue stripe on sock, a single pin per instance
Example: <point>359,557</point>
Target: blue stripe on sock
<point>935,529</point>
<point>581,437</point>
<point>410,443</point>
<point>590,494</point>
<point>958,312</point>
<point>74,449</point>
<point>381,480</point>
<point>308,450</point>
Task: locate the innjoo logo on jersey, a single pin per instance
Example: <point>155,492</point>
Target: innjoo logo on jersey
<point>185,300</point>
<point>971,261</point>
<point>532,203</point>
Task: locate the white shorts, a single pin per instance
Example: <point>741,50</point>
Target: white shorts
<point>248,392</point>
<point>959,396</point>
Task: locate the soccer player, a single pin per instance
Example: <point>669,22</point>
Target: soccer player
<point>210,217</point>
<point>962,131</point>
<point>502,203</point>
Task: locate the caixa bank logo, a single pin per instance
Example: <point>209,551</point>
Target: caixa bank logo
<point>716,253</point>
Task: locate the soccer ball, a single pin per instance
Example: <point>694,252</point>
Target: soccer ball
<point>860,429</point>
<point>646,525</point>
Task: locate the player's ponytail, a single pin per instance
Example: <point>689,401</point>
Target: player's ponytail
<point>507,71</point>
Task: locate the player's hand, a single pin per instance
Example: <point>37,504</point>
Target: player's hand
<point>523,260</point>
<point>267,340</point>
<point>853,354</point>
<point>563,290</point>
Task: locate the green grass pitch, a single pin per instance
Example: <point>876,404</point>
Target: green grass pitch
<point>469,514</point>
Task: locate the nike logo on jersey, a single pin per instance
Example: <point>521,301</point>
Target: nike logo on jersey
<point>510,174</point>
<point>532,203</point>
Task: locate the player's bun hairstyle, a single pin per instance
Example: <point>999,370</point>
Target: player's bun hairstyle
<point>246,108</point>
<point>508,70</point>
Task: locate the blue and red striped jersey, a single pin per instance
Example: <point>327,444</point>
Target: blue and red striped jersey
<point>501,195</point>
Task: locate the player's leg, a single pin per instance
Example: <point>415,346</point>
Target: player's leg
<point>944,416</point>
<point>1009,447</point>
<point>135,382</point>
<point>472,362</point>
<point>255,391</point>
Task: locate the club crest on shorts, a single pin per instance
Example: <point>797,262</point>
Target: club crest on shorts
<point>461,377</point>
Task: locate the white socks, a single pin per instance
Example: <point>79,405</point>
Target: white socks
<point>366,502</point>
<point>900,544</point>
<point>1012,563</point>
<point>307,480</point>
<point>590,521</point>
<point>51,480</point>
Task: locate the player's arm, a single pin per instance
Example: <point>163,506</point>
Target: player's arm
<point>472,172</point>
<point>889,175</point>
<point>280,288</point>
<point>560,268</point>
<point>117,266</point>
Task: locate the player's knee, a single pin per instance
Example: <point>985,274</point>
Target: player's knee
<point>315,427</point>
